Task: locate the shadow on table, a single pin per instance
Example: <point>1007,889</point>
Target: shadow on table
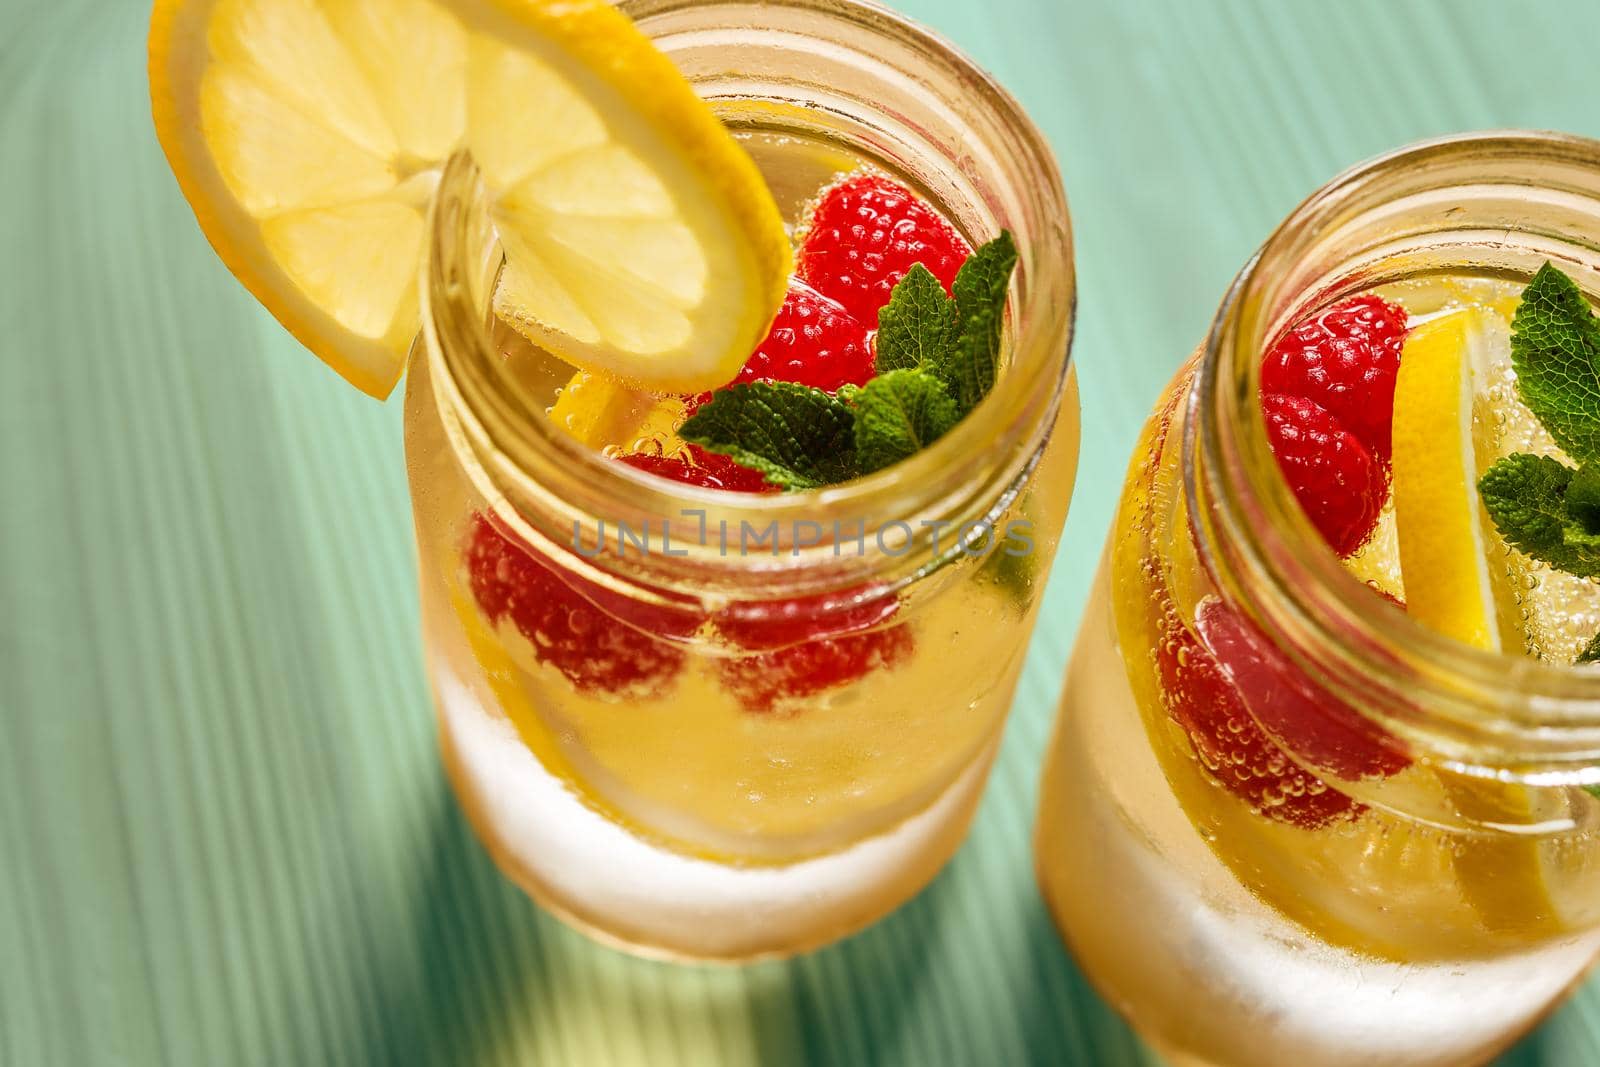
<point>491,979</point>
<point>484,977</point>
<point>1548,1046</point>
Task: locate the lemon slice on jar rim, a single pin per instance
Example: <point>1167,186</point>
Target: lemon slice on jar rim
<point>308,136</point>
<point>1511,876</point>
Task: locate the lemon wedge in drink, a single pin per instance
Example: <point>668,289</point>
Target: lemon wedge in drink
<point>309,136</point>
<point>601,412</point>
<point>1506,875</point>
<point>1442,557</point>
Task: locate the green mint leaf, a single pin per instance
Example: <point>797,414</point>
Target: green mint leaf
<point>1526,497</point>
<point>1592,790</point>
<point>898,414</point>
<point>980,297</point>
<point>936,356</point>
<point>918,325</point>
<point>1555,349</point>
<point>798,436</point>
<point>1583,497</point>
<point>1591,652</point>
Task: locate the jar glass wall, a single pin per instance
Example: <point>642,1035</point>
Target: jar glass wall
<point>724,726</point>
<point>1281,821</point>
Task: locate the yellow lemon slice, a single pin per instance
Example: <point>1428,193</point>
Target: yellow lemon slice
<point>604,412</point>
<point>1506,875</point>
<point>1442,558</point>
<point>308,136</point>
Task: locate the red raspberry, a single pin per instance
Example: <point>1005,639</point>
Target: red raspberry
<point>1346,360</point>
<point>1219,677</point>
<point>711,470</point>
<point>865,233</point>
<point>1338,483</point>
<point>1202,699</point>
<point>602,641</point>
<point>1318,727</point>
<point>801,647</point>
<point>813,341</point>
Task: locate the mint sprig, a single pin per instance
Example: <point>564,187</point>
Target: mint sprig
<point>1546,508</point>
<point>897,415</point>
<point>1533,503</point>
<point>797,436</point>
<point>955,338</point>
<point>1555,350</point>
<point>937,357</point>
<point>980,295</point>
<point>918,326</point>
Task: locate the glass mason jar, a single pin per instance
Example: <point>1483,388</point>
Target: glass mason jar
<point>1392,859</point>
<point>724,726</point>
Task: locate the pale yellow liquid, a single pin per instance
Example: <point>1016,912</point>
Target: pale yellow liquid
<point>743,834</point>
<point>1229,937</point>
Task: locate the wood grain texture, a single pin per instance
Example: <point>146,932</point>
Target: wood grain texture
<point>224,835</point>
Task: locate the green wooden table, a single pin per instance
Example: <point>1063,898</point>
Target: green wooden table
<point>224,835</point>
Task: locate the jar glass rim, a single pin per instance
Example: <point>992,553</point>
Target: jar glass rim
<point>1480,710</point>
<point>928,483</point>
